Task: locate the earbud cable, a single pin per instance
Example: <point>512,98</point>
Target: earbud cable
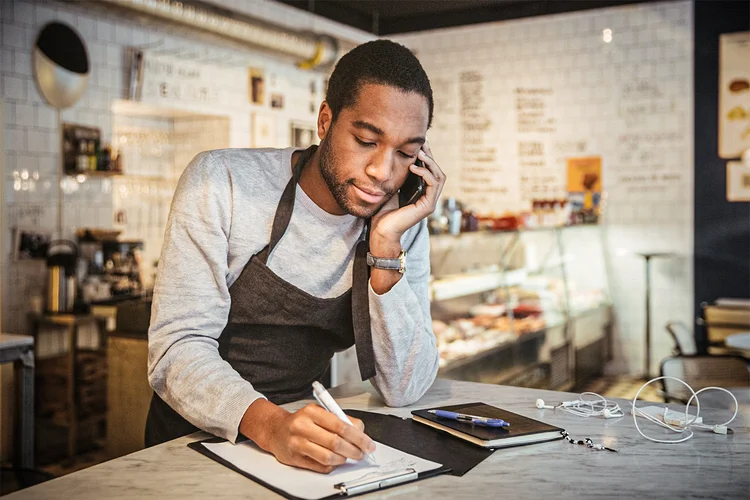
<point>688,421</point>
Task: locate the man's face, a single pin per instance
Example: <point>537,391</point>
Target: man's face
<point>366,152</point>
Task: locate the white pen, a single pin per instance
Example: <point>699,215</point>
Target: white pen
<point>327,402</point>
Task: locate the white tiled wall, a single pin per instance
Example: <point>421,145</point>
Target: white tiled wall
<point>31,134</point>
<point>629,101</point>
<point>651,47</point>
<point>155,152</point>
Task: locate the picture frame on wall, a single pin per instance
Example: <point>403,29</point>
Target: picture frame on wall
<point>303,135</point>
<point>263,131</point>
<point>256,84</point>
<point>734,94</point>
<point>31,243</point>
<point>277,101</point>
<point>738,181</point>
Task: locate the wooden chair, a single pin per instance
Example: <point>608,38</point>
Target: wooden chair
<point>700,371</point>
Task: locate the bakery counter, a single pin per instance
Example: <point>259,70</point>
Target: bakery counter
<point>708,466</point>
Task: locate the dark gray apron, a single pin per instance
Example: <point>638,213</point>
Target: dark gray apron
<point>279,337</point>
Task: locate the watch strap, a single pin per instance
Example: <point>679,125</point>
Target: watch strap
<point>390,264</point>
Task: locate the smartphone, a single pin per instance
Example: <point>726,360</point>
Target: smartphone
<point>412,189</point>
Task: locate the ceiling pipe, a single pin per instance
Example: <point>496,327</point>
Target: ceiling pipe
<point>311,51</point>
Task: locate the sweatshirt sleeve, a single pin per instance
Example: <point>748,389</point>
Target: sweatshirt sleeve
<point>191,305</point>
<point>406,354</point>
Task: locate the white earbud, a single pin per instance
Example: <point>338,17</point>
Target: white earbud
<point>612,414</point>
<point>540,404</point>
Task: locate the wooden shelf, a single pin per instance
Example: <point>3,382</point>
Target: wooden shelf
<point>95,173</point>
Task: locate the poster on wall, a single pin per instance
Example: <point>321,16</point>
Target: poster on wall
<point>738,181</point>
<point>263,131</point>
<point>168,80</point>
<point>585,188</point>
<point>303,135</point>
<point>734,94</point>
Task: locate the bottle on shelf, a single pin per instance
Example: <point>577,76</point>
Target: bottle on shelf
<point>116,160</point>
<point>438,220</point>
<point>454,217</point>
<point>104,162</point>
<point>82,160</point>
<point>92,156</point>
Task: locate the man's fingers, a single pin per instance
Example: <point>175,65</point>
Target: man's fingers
<point>358,423</point>
<point>322,455</point>
<point>309,463</point>
<point>427,175</point>
<point>432,166</point>
<point>350,433</point>
<point>335,443</point>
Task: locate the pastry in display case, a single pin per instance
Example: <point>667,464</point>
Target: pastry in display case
<point>506,304</point>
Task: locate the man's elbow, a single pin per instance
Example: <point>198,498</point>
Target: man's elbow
<point>405,397</point>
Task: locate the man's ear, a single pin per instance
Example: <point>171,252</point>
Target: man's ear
<point>325,120</point>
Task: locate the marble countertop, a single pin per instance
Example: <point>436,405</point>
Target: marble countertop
<point>707,466</point>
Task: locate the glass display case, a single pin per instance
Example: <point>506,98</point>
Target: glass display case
<point>527,307</point>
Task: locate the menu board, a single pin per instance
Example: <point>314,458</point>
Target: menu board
<point>536,126</point>
<point>649,153</point>
<point>734,94</point>
<point>480,178</point>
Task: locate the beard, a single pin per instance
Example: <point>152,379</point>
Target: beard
<point>341,188</point>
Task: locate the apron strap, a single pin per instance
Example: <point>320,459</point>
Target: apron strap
<point>286,204</point>
<point>360,272</point>
<point>361,308</point>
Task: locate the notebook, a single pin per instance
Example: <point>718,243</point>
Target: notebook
<point>522,430</point>
<point>393,467</point>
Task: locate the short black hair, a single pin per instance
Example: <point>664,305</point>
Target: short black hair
<point>381,62</point>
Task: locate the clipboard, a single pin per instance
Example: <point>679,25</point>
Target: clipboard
<point>416,439</point>
<point>350,488</point>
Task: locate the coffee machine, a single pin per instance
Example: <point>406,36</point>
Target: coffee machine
<point>62,259</point>
<point>113,267</point>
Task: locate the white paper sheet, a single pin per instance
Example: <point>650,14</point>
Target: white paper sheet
<point>307,484</point>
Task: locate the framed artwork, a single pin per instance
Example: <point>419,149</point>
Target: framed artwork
<point>257,85</point>
<point>31,243</point>
<point>303,135</point>
<point>263,131</point>
<point>734,94</point>
<point>277,101</point>
<point>738,181</point>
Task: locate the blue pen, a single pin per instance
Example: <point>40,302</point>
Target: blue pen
<point>483,421</point>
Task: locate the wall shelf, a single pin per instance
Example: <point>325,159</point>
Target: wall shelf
<point>96,173</point>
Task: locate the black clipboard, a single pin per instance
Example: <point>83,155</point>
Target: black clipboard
<point>380,483</point>
<point>418,439</point>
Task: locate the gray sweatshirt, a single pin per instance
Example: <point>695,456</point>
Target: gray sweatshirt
<point>221,215</point>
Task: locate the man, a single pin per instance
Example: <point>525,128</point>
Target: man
<point>264,271</point>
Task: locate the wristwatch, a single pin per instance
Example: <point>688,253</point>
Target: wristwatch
<point>397,264</point>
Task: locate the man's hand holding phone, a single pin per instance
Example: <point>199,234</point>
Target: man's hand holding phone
<point>393,220</point>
